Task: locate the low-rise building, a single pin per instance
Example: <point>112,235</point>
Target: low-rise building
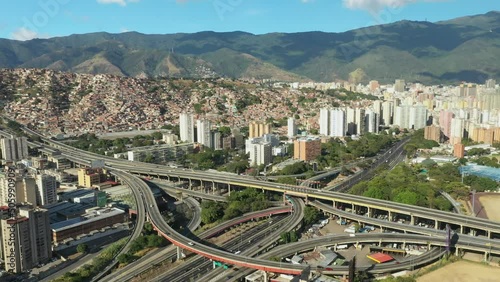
<point>93,219</point>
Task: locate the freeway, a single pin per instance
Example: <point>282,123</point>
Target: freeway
<point>421,212</point>
<point>456,205</point>
<point>176,238</point>
<point>482,241</point>
<point>192,225</point>
<point>173,191</point>
<point>261,244</point>
<point>169,253</point>
<point>137,229</point>
<point>197,265</point>
<point>146,169</point>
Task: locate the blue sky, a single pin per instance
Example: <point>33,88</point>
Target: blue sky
<point>26,19</point>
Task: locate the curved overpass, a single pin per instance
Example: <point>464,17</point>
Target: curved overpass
<point>150,260</point>
<point>141,209</point>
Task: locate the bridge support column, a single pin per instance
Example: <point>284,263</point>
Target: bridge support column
<point>457,251</point>
<point>412,220</point>
<point>380,242</point>
<point>266,278</point>
<point>179,253</point>
<point>213,265</point>
<point>404,245</point>
<point>436,226</point>
<point>489,234</point>
<point>229,189</point>
<point>389,215</point>
<point>486,255</point>
<point>214,189</point>
<point>353,210</point>
<point>335,247</point>
<point>461,229</point>
<point>190,184</point>
<point>369,212</point>
<point>333,204</point>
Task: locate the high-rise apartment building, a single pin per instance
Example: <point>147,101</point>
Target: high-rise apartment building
<point>203,128</point>
<point>371,121</point>
<point>402,116</point>
<point>14,149</point>
<point>457,130</point>
<point>216,140</point>
<point>260,152</point>
<point>186,127</point>
<point>418,117</point>
<point>360,121</point>
<point>337,123</point>
<point>399,85</point>
<point>25,188</point>
<point>46,186</point>
<point>257,129</point>
<point>374,85</point>
<point>351,121</point>
<point>292,127</point>
<point>445,118</point>
<point>26,239</point>
<point>387,113</point>
<point>433,133</point>
<point>324,121</point>
<point>307,149</point>
<point>490,83</point>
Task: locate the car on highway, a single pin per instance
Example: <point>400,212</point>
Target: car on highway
<point>190,243</point>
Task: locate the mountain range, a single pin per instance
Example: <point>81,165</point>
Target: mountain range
<point>461,49</point>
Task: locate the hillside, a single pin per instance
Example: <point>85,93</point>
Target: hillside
<point>448,51</point>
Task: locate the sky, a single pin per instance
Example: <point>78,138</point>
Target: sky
<point>28,19</point>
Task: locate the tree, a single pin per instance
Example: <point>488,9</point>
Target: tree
<point>311,215</point>
<point>125,258</point>
<point>82,248</point>
<point>211,211</point>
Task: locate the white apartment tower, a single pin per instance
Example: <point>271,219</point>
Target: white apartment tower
<point>351,121</point>
<point>14,149</point>
<point>203,130</point>
<point>186,126</point>
<point>360,121</point>
<point>260,152</point>
<point>418,117</point>
<point>371,121</point>
<point>292,127</point>
<point>324,117</point>
<point>387,113</point>
<point>46,189</point>
<point>402,116</point>
<point>337,123</point>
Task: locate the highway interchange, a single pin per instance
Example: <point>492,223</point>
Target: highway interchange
<point>146,200</point>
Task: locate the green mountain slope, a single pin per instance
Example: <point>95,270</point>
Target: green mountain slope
<point>448,51</point>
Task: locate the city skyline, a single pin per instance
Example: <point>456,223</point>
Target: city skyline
<point>53,18</point>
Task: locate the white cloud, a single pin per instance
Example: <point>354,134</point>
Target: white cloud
<point>24,34</point>
<point>376,6</point>
<point>119,2</point>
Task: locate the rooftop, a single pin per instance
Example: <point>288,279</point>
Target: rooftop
<point>89,217</point>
